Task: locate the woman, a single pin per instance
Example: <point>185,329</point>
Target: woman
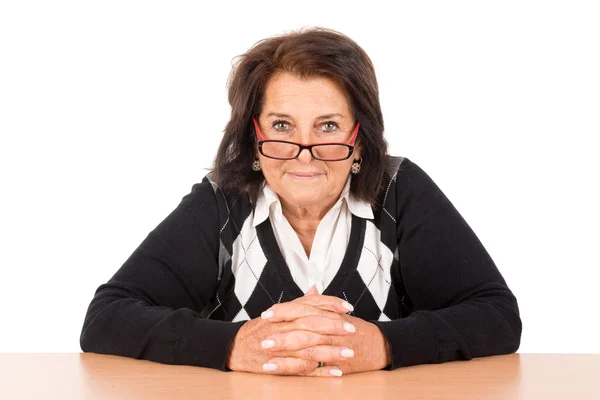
<point>307,250</point>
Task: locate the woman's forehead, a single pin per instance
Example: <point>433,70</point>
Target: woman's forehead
<point>287,96</point>
<point>334,115</point>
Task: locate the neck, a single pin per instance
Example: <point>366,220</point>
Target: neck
<point>305,219</point>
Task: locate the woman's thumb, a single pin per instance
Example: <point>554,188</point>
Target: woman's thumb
<point>313,290</point>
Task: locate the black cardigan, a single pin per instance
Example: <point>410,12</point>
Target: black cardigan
<point>175,300</point>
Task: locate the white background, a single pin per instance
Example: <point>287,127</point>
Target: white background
<point>110,110</point>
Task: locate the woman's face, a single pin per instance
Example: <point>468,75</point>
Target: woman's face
<point>306,112</point>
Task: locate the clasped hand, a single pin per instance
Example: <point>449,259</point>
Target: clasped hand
<point>292,338</point>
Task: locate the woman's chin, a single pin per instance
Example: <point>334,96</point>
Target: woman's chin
<point>303,196</point>
<point>303,191</point>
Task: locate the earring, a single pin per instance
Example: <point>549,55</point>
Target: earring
<point>356,166</point>
<point>256,165</point>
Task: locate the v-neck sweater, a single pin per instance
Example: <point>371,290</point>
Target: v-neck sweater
<point>416,270</point>
<point>328,245</point>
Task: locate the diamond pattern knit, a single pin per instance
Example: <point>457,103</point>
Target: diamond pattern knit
<point>417,270</point>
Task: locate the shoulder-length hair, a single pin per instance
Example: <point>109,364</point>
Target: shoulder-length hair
<point>315,52</point>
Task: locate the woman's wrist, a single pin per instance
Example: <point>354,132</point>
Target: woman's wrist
<point>384,353</point>
<point>387,353</point>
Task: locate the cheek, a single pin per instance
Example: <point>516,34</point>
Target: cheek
<point>341,169</point>
<point>338,175</point>
<point>271,168</point>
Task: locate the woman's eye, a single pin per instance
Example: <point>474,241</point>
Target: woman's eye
<point>329,126</point>
<point>280,125</point>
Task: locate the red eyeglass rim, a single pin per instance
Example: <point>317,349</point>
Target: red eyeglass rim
<point>351,143</point>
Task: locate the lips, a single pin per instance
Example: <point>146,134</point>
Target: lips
<point>305,174</point>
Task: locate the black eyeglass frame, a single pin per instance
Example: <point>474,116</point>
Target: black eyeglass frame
<point>309,147</point>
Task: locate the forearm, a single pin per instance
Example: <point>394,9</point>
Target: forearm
<point>483,325</point>
<point>121,324</point>
<point>150,308</point>
<point>461,306</point>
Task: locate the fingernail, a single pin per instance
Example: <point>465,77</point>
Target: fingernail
<point>270,367</point>
<point>335,372</point>
<point>267,314</point>
<point>268,344</point>
<point>347,306</point>
<point>347,353</point>
<point>348,327</point>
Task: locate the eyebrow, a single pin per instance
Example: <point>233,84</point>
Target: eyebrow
<point>279,115</point>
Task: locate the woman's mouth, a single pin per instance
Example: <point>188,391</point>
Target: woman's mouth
<point>304,175</point>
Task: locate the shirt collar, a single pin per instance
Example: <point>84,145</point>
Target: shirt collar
<point>268,198</point>
<point>357,207</point>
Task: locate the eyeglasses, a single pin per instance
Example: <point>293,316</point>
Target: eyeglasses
<point>283,150</point>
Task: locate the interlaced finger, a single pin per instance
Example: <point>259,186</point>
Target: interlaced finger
<point>321,325</point>
<point>295,340</point>
<point>291,311</point>
<point>298,366</point>
<point>329,303</point>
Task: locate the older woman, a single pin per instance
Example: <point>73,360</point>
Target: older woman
<point>307,250</point>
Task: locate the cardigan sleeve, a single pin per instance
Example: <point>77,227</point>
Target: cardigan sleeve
<point>150,308</point>
<point>461,305</point>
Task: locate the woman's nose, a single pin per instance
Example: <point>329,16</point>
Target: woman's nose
<point>305,156</point>
<point>304,137</point>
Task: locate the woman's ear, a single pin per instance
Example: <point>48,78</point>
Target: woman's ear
<point>356,153</point>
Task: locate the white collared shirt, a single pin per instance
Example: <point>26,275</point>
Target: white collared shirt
<point>330,241</point>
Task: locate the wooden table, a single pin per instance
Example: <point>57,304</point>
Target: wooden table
<point>94,376</point>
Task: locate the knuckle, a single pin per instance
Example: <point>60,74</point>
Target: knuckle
<point>327,313</point>
<point>306,323</point>
<point>310,353</point>
<point>312,339</point>
<point>304,309</point>
<point>315,323</point>
<point>334,353</point>
<point>281,342</point>
<point>282,368</point>
<point>306,366</point>
<point>302,338</point>
<point>327,340</point>
<point>335,316</point>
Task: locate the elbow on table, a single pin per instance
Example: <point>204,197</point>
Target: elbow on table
<point>510,338</point>
<point>100,331</point>
<point>91,338</point>
<point>86,342</point>
<point>516,326</point>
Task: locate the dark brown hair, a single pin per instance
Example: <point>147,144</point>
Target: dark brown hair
<point>315,52</point>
